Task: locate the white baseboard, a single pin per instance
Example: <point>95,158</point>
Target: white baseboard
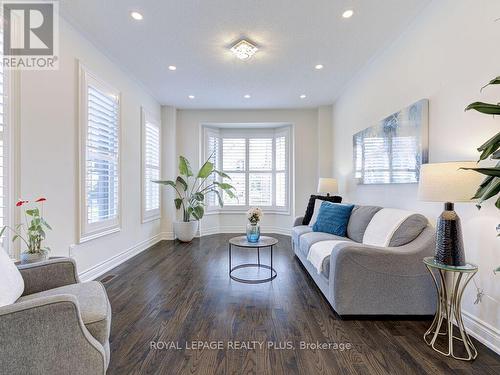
<point>482,331</point>
<point>101,268</point>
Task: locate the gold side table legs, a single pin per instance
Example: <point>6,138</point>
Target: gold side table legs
<point>448,307</point>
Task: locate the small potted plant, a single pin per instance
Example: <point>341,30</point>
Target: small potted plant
<point>254,215</point>
<point>34,228</point>
<point>191,191</point>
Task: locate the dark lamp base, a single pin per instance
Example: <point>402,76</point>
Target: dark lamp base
<point>449,239</point>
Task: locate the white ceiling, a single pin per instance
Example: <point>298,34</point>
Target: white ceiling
<point>293,36</point>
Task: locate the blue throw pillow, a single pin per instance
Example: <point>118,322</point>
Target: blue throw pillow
<point>333,218</point>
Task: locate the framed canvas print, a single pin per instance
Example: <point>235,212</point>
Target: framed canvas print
<point>392,151</point>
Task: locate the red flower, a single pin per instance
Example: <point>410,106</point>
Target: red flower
<point>20,203</point>
<point>41,200</point>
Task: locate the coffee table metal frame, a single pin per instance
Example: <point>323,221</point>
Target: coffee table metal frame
<point>264,242</point>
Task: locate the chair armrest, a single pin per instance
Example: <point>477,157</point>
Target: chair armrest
<point>298,221</point>
<point>48,274</point>
<point>46,335</point>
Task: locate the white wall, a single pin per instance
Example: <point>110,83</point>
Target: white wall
<point>49,129</point>
<point>305,124</point>
<point>445,56</point>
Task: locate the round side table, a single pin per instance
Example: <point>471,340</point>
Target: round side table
<point>449,306</point>
<point>264,241</point>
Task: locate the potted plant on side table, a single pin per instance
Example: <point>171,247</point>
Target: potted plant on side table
<point>190,195</point>
<point>34,228</point>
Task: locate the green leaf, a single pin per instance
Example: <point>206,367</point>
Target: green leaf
<point>483,187</point>
<point>494,172</point>
<point>2,231</point>
<point>198,212</point>
<point>496,155</point>
<point>165,182</point>
<point>497,270</point>
<point>32,212</point>
<point>46,224</point>
<point>223,185</point>
<point>493,189</point>
<point>222,174</point>
<point>199,196</point>
<point>15,237</point>
<point>219,197</point>
<point>206,170</point>
<point>490,146</point>
<point>494,81</point>
<point>184,167</point>
<point>497,203</point>
<point>182,182</point>
<point>178,203</point>
<point>486,108</point>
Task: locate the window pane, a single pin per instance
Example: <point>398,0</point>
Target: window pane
<point>234,151</point>
<point>281,189</point>
<point>238,181</point>
<point>280,153</point>
<point>213,154</point>
<point>260,154</point>
<point>260,191</point>
<point>102,156</point>
<point>151,166</point>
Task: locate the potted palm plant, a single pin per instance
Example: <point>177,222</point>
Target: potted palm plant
<point>31,232</point>
<point>190,195</point>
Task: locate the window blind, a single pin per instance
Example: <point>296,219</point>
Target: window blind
<point>102,153</point>
<point>213,150</point>
<point>257,162</point>
<point>151,166</point>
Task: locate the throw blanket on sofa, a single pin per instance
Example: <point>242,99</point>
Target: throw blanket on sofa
<point>321,250</point>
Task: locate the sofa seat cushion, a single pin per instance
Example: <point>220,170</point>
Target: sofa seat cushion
<point>93,302</point>
<point>299,231</point>
<point>309,239</point>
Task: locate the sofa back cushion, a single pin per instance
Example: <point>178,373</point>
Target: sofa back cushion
<point>310,206</point>
<point>359,220</point>
<point>333,218</point>
<point>11,281</point>
<point>393,227</point>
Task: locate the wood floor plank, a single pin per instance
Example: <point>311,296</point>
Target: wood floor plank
<point>180,294</point>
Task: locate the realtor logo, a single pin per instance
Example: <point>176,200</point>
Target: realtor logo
<point>30,35</point>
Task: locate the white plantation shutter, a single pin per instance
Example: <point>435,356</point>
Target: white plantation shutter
<point>4,170</point>
<point>257,162</point>
<point>213,151</point>
<point>100,156</point>
<point>151,149</point>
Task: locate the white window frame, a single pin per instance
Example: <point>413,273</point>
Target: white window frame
<point>11,137</point>
<point>247,131</point>
<point>155,214</point>
<point>91,231</point>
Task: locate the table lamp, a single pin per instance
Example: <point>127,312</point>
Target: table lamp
<point>446,182</point>
<point>328,186</point>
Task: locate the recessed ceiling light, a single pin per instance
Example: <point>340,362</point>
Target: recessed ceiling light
<point>136,16</point>
<point>348,13</point>
<point>303,96</point>
<point>172,67</point>
<point>318,67</point>
<point>247,96</point>
<point>243,49</point>
<point>191,96</point>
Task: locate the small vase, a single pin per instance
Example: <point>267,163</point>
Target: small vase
<point>253,232</point>
<point>27,258</point>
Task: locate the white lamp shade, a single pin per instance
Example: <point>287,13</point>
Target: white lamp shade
<point>328,185</point>
<point>446,182</point>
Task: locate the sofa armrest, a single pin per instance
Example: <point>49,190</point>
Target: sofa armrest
<point>46,335</point>
<point>298,221</point>
<point>48,274</point>
<point>404,260</point>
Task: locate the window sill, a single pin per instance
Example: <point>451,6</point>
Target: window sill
<point>244,211</point>
<point>149,219</point>
<point>92,236</point>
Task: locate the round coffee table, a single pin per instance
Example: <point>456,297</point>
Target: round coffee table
<point>264,241</point>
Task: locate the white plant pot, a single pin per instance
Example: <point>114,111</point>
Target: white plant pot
<point>185,231</point>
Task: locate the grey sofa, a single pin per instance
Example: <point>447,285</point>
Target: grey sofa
<point>58,325</point>
<point>359,279</point>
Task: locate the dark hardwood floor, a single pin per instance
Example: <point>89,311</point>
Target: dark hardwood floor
<point>175,293</point>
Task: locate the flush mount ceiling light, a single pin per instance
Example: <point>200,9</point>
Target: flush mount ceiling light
<point>247,96</point>
<point>191,96</point>
<point>348,13</point>
<point>243,49</point>
<point>172,67</point>
<point>303,96</point>
<point>136,16</point>
<point>318,67</point>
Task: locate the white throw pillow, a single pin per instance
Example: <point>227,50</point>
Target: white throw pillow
<point>383,225</point>
<point>317,206</point>
<point>11,281</point>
